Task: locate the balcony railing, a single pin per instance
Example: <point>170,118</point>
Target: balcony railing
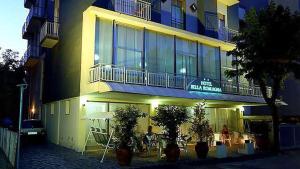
<point>137,8</point>
<point>34,12</point>
<point>226,34</point>
<point>111,73</point>
<point>31,52</point>
<point>214,29</point>
<point>25,33</point>
<point>49,34</point>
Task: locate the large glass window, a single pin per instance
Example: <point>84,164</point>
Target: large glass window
<point>103,42</point>
<point>186,57</point>
<point>209,62</point>
<point>178,13</point>
<point>226,64</point>
<point>129,47</point>
<point>159,52</point>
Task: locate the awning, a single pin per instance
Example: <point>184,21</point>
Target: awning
<point>179,93</point>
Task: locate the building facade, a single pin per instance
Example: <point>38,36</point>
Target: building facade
<point>95,56</point>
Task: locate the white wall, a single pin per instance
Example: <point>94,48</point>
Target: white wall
<point>62,128</point>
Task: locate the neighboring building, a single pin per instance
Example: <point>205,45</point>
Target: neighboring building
<point>95,56</point>
<point>41,31</point>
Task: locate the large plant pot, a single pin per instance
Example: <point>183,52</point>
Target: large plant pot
<point>124,156</point>
<point>201,149</point>
<point>172,152</point>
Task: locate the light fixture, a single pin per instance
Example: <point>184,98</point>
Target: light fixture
<point>33,110</point>
<point>242,109</point>
<point>193,7</point>
<point>154,103</point>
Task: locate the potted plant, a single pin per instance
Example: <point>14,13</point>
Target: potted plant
<point>170,118</point>
<point>125,119</point>
<point>200,126</point>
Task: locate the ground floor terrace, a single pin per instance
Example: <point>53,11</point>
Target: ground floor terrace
<point>71,122</point>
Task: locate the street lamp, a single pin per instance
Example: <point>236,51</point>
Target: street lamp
<point>22,86</point>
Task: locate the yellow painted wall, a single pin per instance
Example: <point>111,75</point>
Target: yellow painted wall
<point>222,9</point>
<point>63,128</point>
<point>88,40</point>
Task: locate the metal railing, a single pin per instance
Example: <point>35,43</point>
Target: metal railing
<point>226,34</point>
<point>8,144</point>
<point>216,30</point>
<point>24,28</point>
<point>49,29</point>
<point>32,51</point>
<point>35,11</point>
<point>138,8</point>
<point>120,74</point>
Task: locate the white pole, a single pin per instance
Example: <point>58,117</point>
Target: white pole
<point>22,88</point>
<point>107,146</point>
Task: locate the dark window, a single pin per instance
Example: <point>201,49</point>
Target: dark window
<point>178,14</point>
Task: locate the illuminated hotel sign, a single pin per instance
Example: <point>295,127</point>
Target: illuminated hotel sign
<point>204,85</point>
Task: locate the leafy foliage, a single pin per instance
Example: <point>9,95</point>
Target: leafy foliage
<point>11,72</point>
<point>267,51</point>
<point>200,126</point>
<point>268,48</point>
<point>125,120</point>
<point>170,117</point>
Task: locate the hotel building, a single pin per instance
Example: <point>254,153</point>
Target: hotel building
<point>89,57</point>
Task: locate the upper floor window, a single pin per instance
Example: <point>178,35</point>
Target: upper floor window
<point>159,52</point>
<point>178,13</point>
<point>209,62</point>
<point>103,42</point>
<point>186,57</point>
<point>226,64</point>
<point>129,47</point>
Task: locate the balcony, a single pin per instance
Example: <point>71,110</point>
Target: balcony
<point>25,33</point>
<point>28,3</point>
<point>36,14</point>
<point>229,2</point>
<point>49,34</point>
<point>31,55</point>
<point>214,29</point>
<point>110,73</point>
<point>137,8</point>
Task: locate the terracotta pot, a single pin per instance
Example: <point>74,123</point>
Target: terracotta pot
<point>172,152</point>
<point>124,156</point>
<point>201,149</point>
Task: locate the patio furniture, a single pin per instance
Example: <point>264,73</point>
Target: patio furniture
<point>102,139</point>
<point>236,137</point>
<point>228,139</point>
<point>151,142</point>
<point>249,136</point>
<point>162,143</point>
<point>101,136</point>
<point>217,137</point>
<point>182,142</point>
